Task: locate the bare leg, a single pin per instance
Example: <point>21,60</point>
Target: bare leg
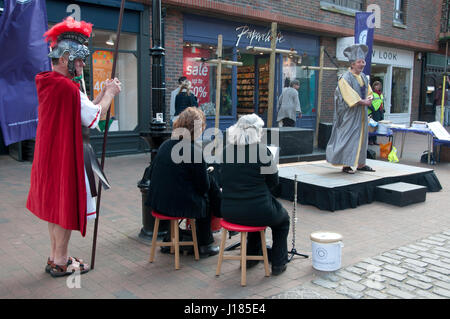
<point>62,237</point>
<point>52,241</point>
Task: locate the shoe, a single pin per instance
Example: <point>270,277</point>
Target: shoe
<point>208,250</point>
<point>348,170</point>
<point>277,270</point>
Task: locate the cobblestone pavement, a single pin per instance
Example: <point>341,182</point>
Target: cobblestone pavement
<point>390,252</point>
<point>418,270</point>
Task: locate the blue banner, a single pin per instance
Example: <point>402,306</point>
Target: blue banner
<point>23,54</point>
<point>364,29</point>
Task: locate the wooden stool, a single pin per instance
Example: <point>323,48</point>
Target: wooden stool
<point>243,257</point>
<point>175,237</point>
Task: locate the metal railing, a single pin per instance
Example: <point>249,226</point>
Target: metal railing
<point>351,4</point>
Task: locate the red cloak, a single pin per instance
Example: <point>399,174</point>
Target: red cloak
<point>57,186</point>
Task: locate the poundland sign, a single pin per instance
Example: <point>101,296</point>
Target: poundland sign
<point>381,55</point>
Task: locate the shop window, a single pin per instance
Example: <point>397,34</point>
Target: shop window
<point>400,92</point>
<point>399,11</point>
<point>202,76</point>
<point>124,109</point>
<point>292,70</point>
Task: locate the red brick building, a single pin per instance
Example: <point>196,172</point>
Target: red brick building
<point>407,31</point>
<point>406,42</point>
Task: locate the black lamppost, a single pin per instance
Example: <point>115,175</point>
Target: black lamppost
<point>158,132</point>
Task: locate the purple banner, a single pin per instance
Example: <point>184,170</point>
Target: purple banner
<point>364,29</point>
<point>23,54</point>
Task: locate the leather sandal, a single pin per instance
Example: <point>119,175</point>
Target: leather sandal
<point>49,265</point>
<point>366,168</point>
<point>73,264</point>
<point>348,170</point>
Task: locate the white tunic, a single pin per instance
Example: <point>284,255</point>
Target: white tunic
<point>90,116</point>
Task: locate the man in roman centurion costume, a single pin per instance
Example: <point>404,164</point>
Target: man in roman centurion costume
<point>347,146</point>
<point>62,183</point>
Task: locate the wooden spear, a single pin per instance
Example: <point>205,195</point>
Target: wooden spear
<point>105,135</point>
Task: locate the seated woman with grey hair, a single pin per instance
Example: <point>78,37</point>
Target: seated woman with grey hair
<point>246,182</point>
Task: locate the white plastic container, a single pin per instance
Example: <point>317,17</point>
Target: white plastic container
<point>384,126</point>
<point>326,250</point>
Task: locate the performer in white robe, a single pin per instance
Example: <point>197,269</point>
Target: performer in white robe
<point>347,146</point>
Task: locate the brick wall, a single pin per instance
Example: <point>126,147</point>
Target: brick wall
<point>174,52</point>
<point>329,80</point>
<point>422,18</point>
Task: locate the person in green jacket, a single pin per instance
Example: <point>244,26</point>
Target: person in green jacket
<point>376,110</point>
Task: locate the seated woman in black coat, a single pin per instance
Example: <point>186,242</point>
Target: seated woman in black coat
<point>247,176</point>
<point>179,182</point>
<point>184,99</point>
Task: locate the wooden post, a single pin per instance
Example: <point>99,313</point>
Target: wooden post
<point>273,46</point>
<point>218,80</point>
<point>319,97</point>
<point>219,61</point>
<point>320,68</point>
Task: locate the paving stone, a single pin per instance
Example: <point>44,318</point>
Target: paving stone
<point>325,283</point>
<point>442,236</point>
<point>419,284</point>
<point>416,247</point>
<point>399,293</point>
<point>392,275</point>
<point>442,285</point>
<point>402,286</point>
<point>437,263</point>
<point>393,256</point>
<point>428,255</point>
<point>407,255</point>
<point>424,245</point>
<point>438,276</point>
<point>437,238</point>
<point>373,261</point>
<point>353,285</point>
<point>368,267</point>
<point>420,270</point>
<point>441,253</point>
<point>349,276</point>
<point>374,284</point>
<point>4,220</point>
<point>443,271</point>
<point>348,292</point>
<point>442,249</point>
<point>395,269</point>
<point>446,233</point>
<point>442,292</point>
<point>356,270</point>
<point>420,277</point>
<point>388,260</point>
<point>415,262</point>
<point>433,242</point>
<point>376,294</point>
<point>408,250</point>
<point>427,294</point>
<point>330,276</point>
<point>377,277</point>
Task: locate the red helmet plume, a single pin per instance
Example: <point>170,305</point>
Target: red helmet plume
<point>68,25</point>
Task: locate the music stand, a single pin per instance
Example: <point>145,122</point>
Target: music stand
<point>293,222</point>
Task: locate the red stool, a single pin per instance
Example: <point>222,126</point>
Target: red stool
<point>243,256</point>
<point>175,237</point>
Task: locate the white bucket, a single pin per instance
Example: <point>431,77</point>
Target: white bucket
<point>384,127</point>
<point>326,250</point>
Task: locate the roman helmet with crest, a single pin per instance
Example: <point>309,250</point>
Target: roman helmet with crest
<point>69,36</point>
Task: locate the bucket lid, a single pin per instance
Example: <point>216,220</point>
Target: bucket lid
<point>325,237</point>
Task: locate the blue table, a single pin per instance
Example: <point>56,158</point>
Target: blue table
<point>404,132</point>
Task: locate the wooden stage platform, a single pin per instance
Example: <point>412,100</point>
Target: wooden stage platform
<point>326,187</point>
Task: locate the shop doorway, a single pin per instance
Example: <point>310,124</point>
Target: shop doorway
<point>253,84</point>
<point>379,73</point>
